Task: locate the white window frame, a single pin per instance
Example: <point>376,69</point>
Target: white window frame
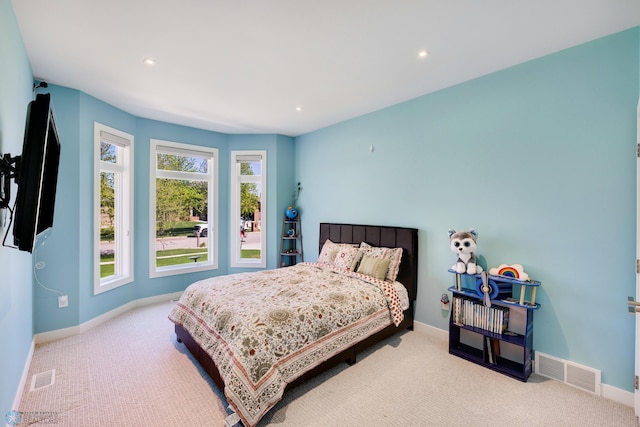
<point>212,211</point>
<point>236,180</point>
<point>123,238</point>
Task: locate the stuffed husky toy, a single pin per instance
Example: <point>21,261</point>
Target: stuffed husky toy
<point>463,243</point>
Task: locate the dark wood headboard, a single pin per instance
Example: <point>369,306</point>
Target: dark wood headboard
<point>377,235</point>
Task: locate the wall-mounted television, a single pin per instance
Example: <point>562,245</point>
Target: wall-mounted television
<point>36,173</point>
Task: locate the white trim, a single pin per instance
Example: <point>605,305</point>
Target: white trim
<point>23,377</point>
<point>617,395</point>
<point>75,330</point>
<point>238,157</point>
<point>606,391</point>
<point>96,321</point>
<point>124,210</point>
<point>636,358</point>
<point>423,328</point>
<point>211,177</point>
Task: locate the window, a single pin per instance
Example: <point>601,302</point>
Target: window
<point>248,208</point>
<point>113,208</point>
<point>183,209</point>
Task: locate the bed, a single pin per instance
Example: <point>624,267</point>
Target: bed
<point>253,352</point>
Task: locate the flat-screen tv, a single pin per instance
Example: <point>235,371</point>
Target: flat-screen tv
<point>37,175</point>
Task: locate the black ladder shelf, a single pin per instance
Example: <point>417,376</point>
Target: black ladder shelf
<point>291,244</point>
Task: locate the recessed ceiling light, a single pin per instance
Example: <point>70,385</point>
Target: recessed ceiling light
<point>298,108</point>
<point>423,53</point>
<point>149,61</point>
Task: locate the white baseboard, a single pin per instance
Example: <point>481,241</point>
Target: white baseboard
<point>607,391</point>
<point>23,378</point>
<point>428,329</point>
<point>617,395</point>
<point>74,330</point>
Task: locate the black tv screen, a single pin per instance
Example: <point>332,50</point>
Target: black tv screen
<point>37,175</point>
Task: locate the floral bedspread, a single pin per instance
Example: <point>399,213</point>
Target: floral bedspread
<point>264,329</point>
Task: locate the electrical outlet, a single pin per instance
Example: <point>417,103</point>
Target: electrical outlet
<point>444,302</point>
<point>63,301</point>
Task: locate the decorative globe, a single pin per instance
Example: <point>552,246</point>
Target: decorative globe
<point>291,212</point>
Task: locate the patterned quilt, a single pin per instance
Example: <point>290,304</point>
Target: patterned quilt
<point>264,329</point>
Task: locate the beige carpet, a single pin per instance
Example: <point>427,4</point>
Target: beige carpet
<point>130,371</point>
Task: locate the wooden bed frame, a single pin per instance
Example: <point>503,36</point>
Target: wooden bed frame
<point>392,237</point>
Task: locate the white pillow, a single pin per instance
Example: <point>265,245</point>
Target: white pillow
<point>328,252</point>
<point>346,257</point>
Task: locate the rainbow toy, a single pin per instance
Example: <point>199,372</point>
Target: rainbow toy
<point>515,271</point>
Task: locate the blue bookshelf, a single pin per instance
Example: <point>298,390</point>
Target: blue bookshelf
<point>476,333</point>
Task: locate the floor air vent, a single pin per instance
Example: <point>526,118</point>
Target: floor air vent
<point>42,380</point>
<point>576,375</point>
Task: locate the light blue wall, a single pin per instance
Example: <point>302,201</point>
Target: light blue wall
<point>68,251</point>
<point>280,176</point>
<point>16,310</point>
<point>539,158</point>
<point>148,129</point>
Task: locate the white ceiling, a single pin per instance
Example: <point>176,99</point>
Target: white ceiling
<point>242,66</point>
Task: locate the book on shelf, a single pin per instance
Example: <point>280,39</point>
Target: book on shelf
<point>490,358</point>
<point>472,313</point>
<point>493,350</point>
<point>496,348</point>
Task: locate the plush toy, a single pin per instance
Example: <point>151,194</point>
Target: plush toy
<point>463,243</point>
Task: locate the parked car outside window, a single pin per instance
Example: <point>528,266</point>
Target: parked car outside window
<point>203,229</point>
